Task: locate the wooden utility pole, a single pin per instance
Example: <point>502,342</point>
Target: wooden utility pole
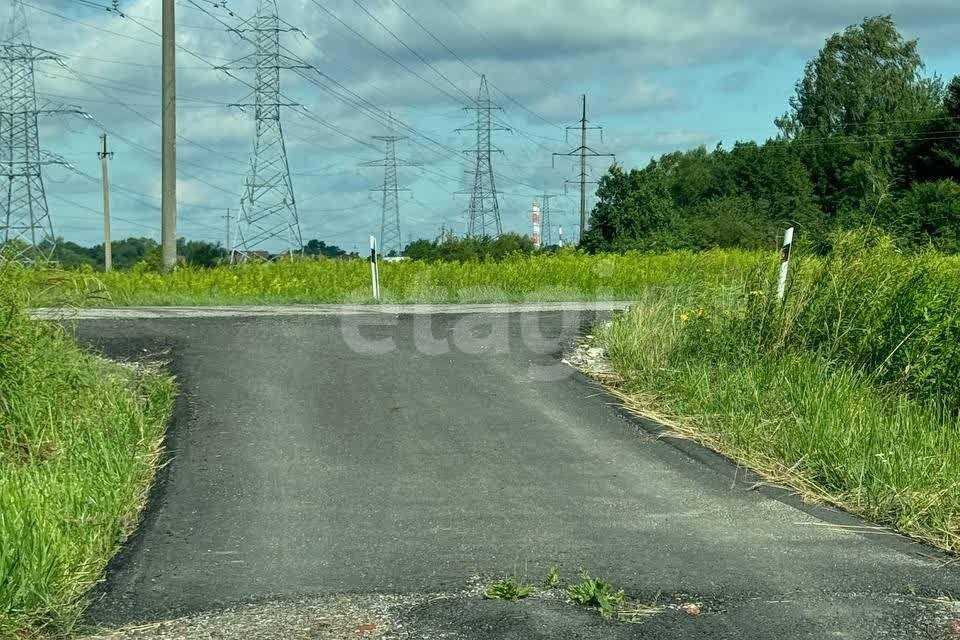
<point>103,154</point>
<point>168,161</point>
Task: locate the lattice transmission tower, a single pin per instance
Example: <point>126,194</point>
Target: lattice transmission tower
<point>483,212</point>
<point>25,225</point>
<point>545,223</point>
<point>584,152</point>
<point>390,238</point>
<point>268,208</point>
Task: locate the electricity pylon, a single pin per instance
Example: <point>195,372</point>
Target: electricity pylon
<point>483,212</point>
<point>26,230</point>
<point>391,239</point>
<point>584,152</point>
<point>268,208</point>
<point>546,233</point>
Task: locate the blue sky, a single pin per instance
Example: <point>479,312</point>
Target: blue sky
<point>659,75</point>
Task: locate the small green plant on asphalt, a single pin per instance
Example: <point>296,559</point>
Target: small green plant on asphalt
<point>553,577</point>
<point>597,593</point>
<point>509,588</point>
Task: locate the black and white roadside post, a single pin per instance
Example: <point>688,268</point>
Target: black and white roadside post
<point>374,270</point>
<point>784,263</point>
<point>561,237</point>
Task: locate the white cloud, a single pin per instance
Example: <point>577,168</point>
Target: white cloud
<point>631,58</point>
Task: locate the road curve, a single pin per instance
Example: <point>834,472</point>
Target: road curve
<point>397,453</point>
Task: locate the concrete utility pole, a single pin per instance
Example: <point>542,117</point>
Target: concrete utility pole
<point>103,154</point>
<point>168,161</point>
<point>584,152</point>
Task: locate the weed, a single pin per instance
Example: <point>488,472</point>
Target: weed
<point>552,580</point>
<point>509,588</point>
<point>597,593</point>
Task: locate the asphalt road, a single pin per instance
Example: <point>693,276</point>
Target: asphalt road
<point>376,453</point>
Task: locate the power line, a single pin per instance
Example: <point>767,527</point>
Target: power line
<point>385,53</point>
<point>411,50</point>
<point>500,51</point>
<point>361,103</point>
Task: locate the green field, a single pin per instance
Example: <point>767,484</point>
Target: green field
<point>848,392</point>
<point>79,442</point>
<point>566,276</point>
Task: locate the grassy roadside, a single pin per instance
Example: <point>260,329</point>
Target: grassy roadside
<point>567,276</point>
<point>79,441</point>
<point>848,392</point>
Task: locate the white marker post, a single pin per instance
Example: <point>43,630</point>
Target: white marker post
<point>374,271</point>
<point>561,237</point>
<point>784,263</point>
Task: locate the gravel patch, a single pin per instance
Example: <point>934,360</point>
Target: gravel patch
<point>324,618</point>
<point>327,617</point>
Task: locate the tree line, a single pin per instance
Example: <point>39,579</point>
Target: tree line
<point>129,252</point>
<point>868,140</point>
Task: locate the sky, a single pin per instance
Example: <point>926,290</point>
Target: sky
<point>659,75</point>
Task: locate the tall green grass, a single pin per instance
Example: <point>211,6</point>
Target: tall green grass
<point>568,275</point>
<point>79,440</point>
<point>848,391</point>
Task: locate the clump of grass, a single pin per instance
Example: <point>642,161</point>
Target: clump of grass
<point>563,276</point>
<point>848,391</point>
<point>895,318</point>
<point>552,581</point>
<point>596,593</point>
<point>79,439</point>
<point>510,588</point>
